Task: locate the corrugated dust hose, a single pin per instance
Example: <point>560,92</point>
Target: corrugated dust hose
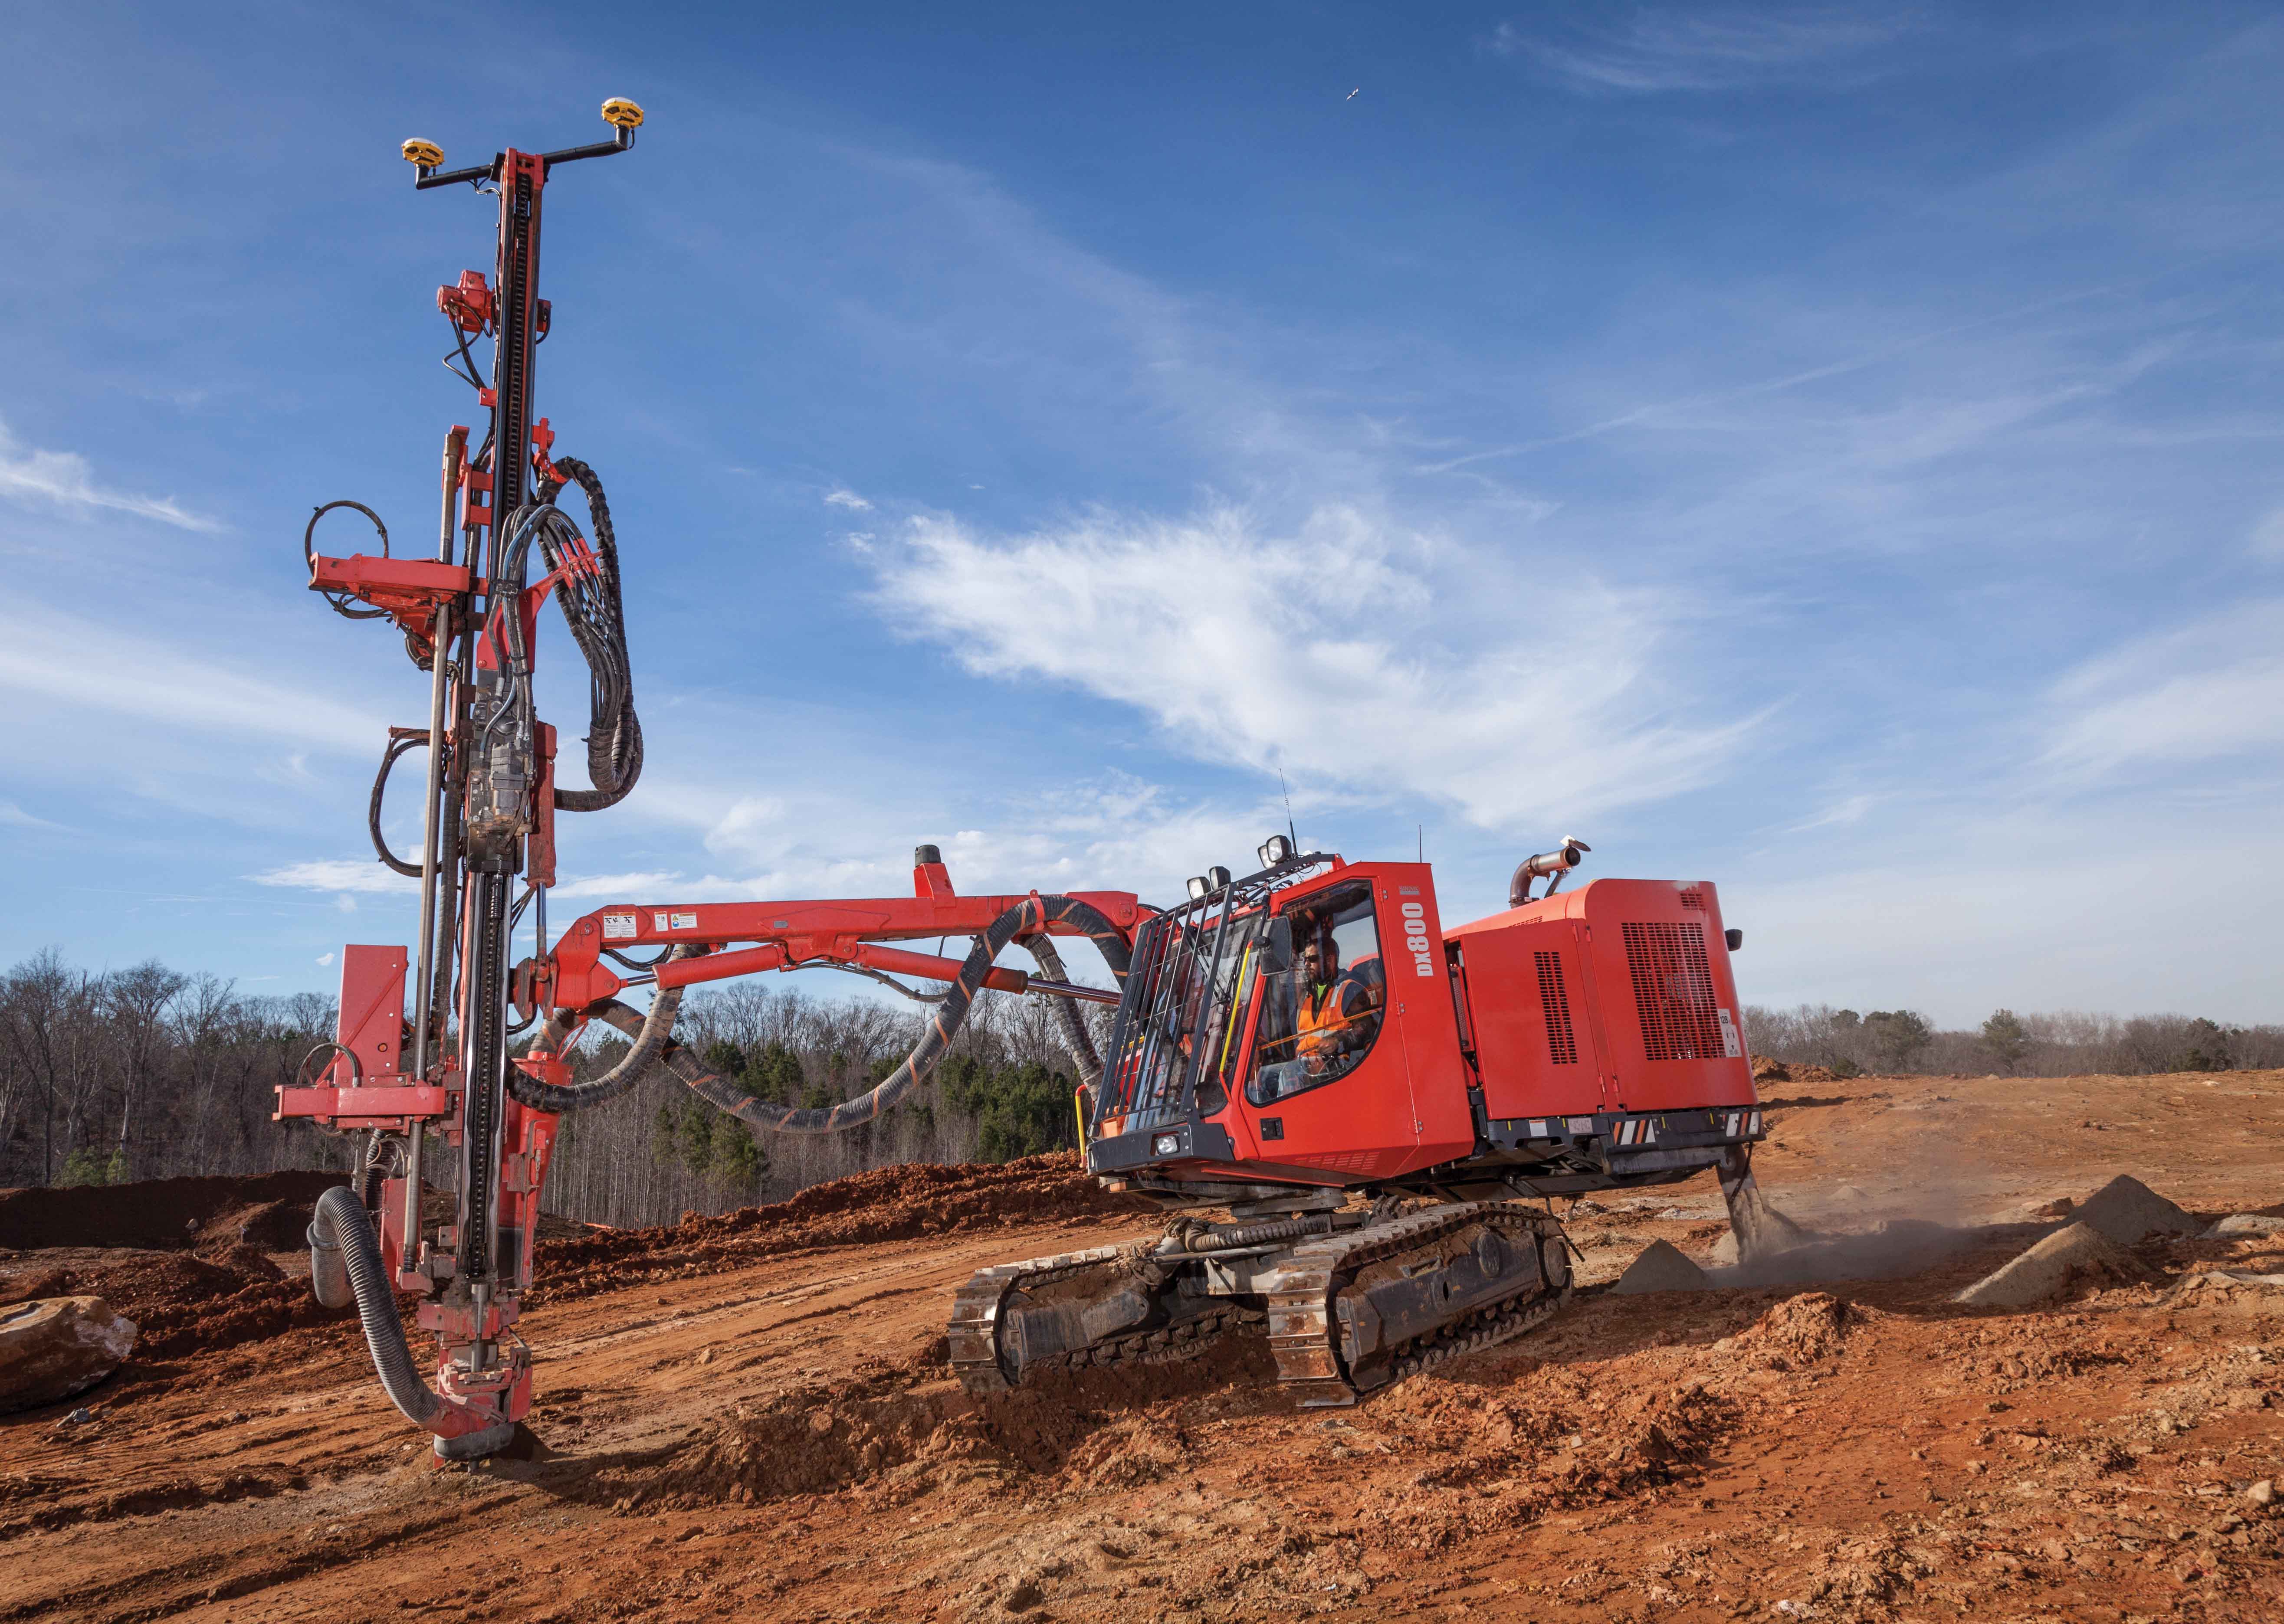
<point>1028,919</point>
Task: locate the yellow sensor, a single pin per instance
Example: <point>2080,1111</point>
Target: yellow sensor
<point>427,154</point>
<point>621,113</point>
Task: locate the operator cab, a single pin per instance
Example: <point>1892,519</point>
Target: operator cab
<point>1259,1035</point>
<point>1314,1028</point>
<point>1321,1006</point>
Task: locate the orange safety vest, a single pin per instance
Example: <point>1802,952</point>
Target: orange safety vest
<point>1321,1020</point>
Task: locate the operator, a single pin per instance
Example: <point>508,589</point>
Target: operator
<point>1334,1010</point>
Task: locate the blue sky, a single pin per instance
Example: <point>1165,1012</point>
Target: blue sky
<point>1830,451</point>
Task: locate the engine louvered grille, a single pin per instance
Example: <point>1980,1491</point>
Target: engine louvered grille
<point>1694,898</point>
<point>1673,991</point>
<point>1554,998</point>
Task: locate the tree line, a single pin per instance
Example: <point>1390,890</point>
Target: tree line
<point>2060,1043</point>
<point>147,1072</point>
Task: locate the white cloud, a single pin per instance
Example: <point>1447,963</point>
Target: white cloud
<point>15,816</point>
<point>847,499</point>
<point>322,958</point>
<point>2210,689</point>
<point>64,478</point>
<point>1839,814</point>
<point>1646,51</point>
<point>342,875</point>
<point>1332,651</point>
<point>652,885</point>
<point>79,663</point>
<point>345,902</point>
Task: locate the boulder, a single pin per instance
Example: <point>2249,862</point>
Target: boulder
<point>2126,1210</point>
<point>1663,1266</point>
<point>54,1346</point>
<point>2065,1259</point>
<point>2244,1226</point>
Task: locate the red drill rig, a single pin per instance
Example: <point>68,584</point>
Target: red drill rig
<point>1375,1101</point>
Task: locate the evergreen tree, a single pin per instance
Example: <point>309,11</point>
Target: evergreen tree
<point>2004,1036</point>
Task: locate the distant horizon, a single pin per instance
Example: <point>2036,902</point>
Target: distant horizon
<point>1827,451</point>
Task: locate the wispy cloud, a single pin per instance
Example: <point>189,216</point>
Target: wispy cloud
<point>14,816</point>
<point>1839,814</point>
<point>64,480</point>
<point>847,499</point>
<point>343,875</point>
<point>1330,649</point>
<point>2210,690</point>
<point>65,660</point>
<point>647,886</point>
<point>1650,49</point>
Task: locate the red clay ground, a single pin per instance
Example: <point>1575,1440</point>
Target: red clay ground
<point>749,1417</point>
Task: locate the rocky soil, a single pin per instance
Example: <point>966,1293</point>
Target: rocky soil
<point>749,1417</point>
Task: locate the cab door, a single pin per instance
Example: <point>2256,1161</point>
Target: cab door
<point>1327,1086</point>
<point>1422,1016</point>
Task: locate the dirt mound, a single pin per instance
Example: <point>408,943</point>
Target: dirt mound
<point>1801,1331</point>
<point>182,1304</point>
<point>162,1213</point>
<point>2065,1259</point>
<point>1662,1267</point>
<point>1552,1441</point>
<point>2128,1210</point>
<point>1766,1069</point>
<point>904,1433</point>
<point>898,1203</point>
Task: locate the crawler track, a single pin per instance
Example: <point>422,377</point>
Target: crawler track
<point>1320,1353</point>
<point>977,1357</point>
<point>1315,1343</point>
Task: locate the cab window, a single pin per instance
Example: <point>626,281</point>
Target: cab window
<point>1322,1009</point>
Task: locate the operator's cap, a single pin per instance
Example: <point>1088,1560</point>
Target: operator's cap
<point>427,154</point>
<point>621,113</point>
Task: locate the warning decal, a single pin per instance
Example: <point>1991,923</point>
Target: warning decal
<point>1730,1045</point>
<point>618,925</point>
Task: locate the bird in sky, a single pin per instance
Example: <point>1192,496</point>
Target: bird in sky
<point>1352,94</point>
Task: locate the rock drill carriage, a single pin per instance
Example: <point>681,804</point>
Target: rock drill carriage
<point>1379,1103</point>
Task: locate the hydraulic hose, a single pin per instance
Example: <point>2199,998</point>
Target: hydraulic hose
<point>594,611</point>
<point>397,747</point>
<point>1077,1042</point>
<point>1031,917</point>
<point>651,1033</point>
<point>341,1224</point>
